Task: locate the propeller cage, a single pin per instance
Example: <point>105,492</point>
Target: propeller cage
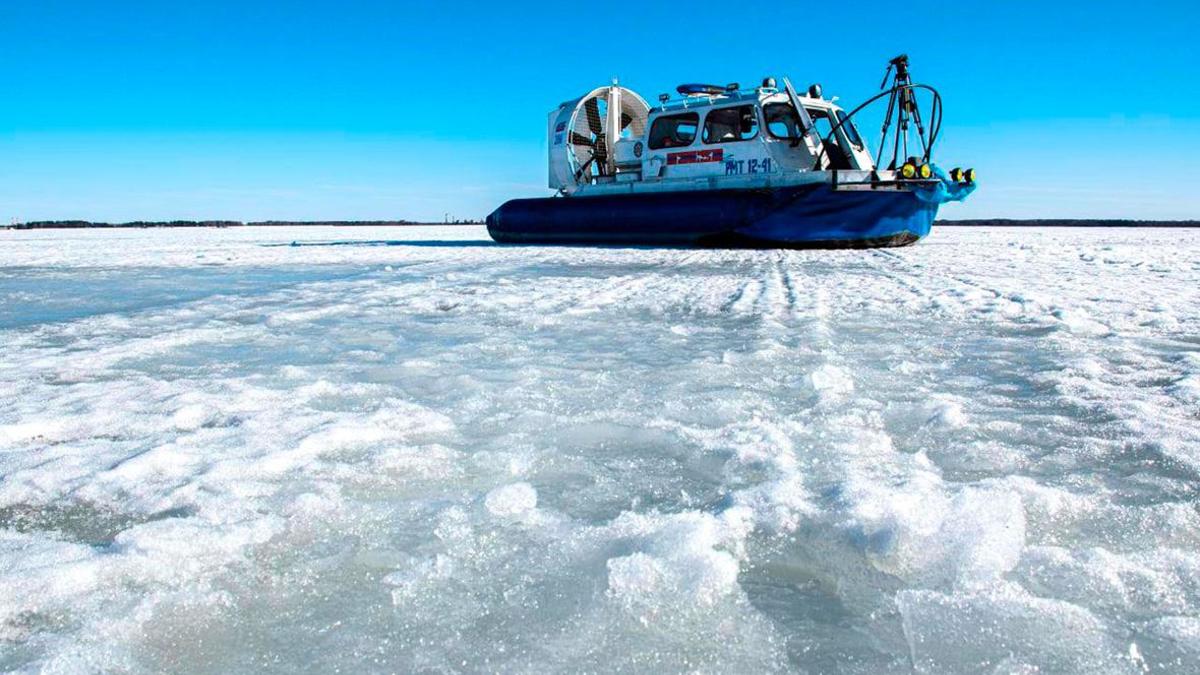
<point>581,147</point>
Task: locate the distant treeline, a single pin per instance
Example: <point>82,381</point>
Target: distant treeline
<point>79,224</point>
<point>76,224</point>
<point>1005,222</point>
<point>993,222</point>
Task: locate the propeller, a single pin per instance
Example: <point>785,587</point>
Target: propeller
<point>598,144</point>
<point>588,142</point>
<point>600,147</point>
<point>592,110</point>
<point>595,137</point>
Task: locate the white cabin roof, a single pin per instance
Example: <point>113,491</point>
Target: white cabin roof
<point>761,96</point>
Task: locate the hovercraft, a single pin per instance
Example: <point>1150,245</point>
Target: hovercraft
<point>722,166</point>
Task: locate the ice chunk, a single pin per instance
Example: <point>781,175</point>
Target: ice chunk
<point>511,500</point>
<point>830,380</point>
<point>1003,630</point>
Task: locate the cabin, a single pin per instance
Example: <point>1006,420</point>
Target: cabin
<point>709,137</point>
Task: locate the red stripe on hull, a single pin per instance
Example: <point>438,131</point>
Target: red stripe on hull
<point>696,157</point>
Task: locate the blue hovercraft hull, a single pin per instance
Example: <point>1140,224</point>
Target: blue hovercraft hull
<point>805,216</point>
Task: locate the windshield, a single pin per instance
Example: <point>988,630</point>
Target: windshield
<point>848,127</point>
<point>825,123</point>
<point>782,122</point>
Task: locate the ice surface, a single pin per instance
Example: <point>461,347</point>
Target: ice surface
<point>411,450</point>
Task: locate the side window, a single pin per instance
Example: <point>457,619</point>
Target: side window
<point>782,121</point>
<point>729,125</point>
<point>674,131</point>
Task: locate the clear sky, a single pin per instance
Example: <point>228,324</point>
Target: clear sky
<point>361,110</point>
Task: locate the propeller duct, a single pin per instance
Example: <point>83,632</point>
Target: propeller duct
<point>582,152</point>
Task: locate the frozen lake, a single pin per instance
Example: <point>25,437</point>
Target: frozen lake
<point>406,449</point>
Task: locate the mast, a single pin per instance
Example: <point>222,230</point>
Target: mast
<point>612,128</point>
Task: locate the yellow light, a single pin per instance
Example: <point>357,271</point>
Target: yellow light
<point>926,171</point>
<point>908,170</point>
<point>969,175</point>
<point>956,175</point>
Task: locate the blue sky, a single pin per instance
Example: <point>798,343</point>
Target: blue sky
<point>360,110</point>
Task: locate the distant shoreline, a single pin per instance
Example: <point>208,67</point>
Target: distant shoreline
<point>1064,222</point>
<point>992,222</point>
<point>149,224</point>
